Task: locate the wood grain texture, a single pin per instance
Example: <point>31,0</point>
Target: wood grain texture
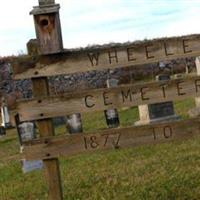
<point>68,145</point>
<point>40,88</point>
<point>48,31</point>
<point>103,99</point>
<point>111,56</point>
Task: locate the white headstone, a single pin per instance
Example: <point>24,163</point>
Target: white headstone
<point>5,116</point>
<point>112,117</point>
<point>197,62</point>
<point>74,123</point>
<point>28,166</point>
<point>27,131</point>
<point>161,64</point>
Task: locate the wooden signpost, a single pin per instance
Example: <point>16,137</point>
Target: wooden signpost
<point>43,107</point>
<point>46,21</point>
<point>68,145</point>
<point>102,99</point>
<point>110,56</point>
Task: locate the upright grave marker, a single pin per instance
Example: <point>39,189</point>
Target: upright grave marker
<point>74,123</point>
<point>197,62</point>
<point>2,131</point>
<point>5,116</point>
<point>26,132</point>
<point>157,112</point>
<point>112,116</point>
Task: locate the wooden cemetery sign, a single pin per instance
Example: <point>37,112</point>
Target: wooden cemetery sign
<point>110,56</point>
<point>42,108</point>
<point>102,99</point>
<point>68,145</point>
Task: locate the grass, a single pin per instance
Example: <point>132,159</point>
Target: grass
<point>164,171</point>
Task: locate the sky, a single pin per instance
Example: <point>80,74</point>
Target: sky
<point>88,22</point>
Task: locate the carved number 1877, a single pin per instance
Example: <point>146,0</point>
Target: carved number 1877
<point>92,141</point>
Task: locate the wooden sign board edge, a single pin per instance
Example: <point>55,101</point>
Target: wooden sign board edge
<point>68,145</point>
<point>74,61</point>
<point>88,100</point>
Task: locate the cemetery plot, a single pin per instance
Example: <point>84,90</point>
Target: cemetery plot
<point>103,99</point>
<point>56,61</point>
<point>67,145</point>
<point>109,56</point>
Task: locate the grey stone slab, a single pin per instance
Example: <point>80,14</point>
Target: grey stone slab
<point>159,111</point>
<point>197,62</point>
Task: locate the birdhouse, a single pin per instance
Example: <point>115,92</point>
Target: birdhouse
<point>45,2</point>
<point>48,28</point>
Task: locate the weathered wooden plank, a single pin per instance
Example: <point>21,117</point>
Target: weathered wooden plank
<point>103,99</point>
<point>48,28</point>
<point>110,56</point>
<point>52,171</point>
<point>111,139</point>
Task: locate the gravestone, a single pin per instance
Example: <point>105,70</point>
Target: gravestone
<point>111,115</point>
<point>5,117</point>
<point>197,62</point>
<point>2,131</point>
<point>26,132</point>
<point>179,76</point>
<point>195,112</point>
<point>157,112</point>
<point>31,165</point>
<point>74,123</point>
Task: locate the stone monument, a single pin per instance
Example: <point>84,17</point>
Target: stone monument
<point>197,62</point>
<point>111,115</point>
<point>195,112</point>
<point>157,112</point>
<point>2,131</point>
<point>26,132</point>
<point>5,117</point>
<point>74,123</point>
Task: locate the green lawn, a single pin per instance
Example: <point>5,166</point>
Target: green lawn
<point>164,171</point>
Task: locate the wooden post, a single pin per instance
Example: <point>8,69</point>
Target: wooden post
<point>41,89</point>
<point>48,31</point>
